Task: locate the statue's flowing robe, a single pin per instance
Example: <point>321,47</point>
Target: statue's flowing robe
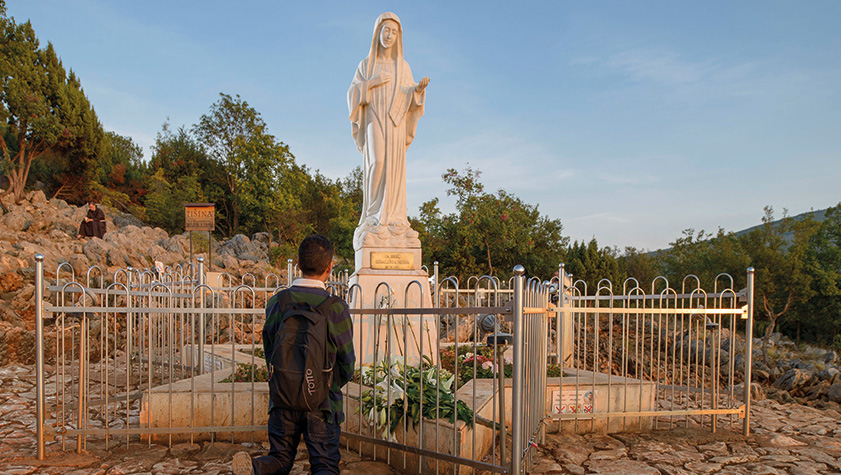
<point>96,227</point>
<point>384,121</point>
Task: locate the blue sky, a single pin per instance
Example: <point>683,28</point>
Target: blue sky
<point>629,121</point>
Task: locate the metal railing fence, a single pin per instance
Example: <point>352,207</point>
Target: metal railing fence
<point>680,346</point>
<point>138,354</point>
<point>136,357</point>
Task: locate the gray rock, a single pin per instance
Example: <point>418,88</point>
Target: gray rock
<point>834,394</point>
<point>243,248</point>
<point>830,357</point>
<point>60,204</point>
<point>756,391</point>
<point>793,379</point>
<point>739,361</point>
<point>79,263</point>
<point>57,235</point>
<point>116,258</point>
<point>827,374</point>
<point>38,199</point>
<point>263,238</point>
<point>17,220</point>
<point>171,245</point>
<point>95,249</point>
<point>122,220</point>
<point>628,467</point>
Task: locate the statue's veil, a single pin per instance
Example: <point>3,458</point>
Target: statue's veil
<point>372,54</point>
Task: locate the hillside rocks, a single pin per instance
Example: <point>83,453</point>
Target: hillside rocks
<point>243,248</point>
<point>49,227</point>
<point>793,379</point>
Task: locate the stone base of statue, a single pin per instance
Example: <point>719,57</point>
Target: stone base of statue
<point>388,273</point>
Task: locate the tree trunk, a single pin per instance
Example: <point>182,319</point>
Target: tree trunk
<point>772,317</point>
<point>768,332</point>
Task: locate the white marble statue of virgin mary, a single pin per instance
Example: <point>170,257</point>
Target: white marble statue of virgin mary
<point>385,104</point>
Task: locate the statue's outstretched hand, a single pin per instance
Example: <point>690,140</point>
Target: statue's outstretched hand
<point>422,84</point>
<point>379,79</point>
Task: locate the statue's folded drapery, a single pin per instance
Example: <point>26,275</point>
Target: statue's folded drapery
<point>384,120</point>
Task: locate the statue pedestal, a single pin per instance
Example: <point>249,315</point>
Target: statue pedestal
<point>381,270</point>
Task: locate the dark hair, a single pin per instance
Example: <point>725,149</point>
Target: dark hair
<point>315,254</point>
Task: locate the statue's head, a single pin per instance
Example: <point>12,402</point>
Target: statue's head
<point>389,31</point>
<point>387,36</point>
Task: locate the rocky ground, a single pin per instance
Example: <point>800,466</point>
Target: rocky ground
<point>787,438</point>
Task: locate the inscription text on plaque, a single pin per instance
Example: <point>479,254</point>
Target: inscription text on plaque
<point>393,260</point>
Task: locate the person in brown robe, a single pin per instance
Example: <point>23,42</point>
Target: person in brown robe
<point>94,222</point>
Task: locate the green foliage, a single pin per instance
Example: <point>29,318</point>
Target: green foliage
<point>397,389</point>
<point>591,263</point>
<point>798,270</point>
<point>332,208</point>
<point>490,233</point>
<point>782,281</point>
<point>823,264</point>
<point>257,171</point>
<point>640,265</point>
<point>45,115</point>
<point>247,372</point>
<point>463,363</point>
<point>278,255</point>
<point>705,256</point>
<point>165,200</point>
<point>120,172</point>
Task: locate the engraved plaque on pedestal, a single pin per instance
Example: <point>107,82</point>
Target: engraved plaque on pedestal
<point>393,260</point>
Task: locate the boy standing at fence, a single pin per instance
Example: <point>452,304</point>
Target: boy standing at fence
<point>320,426</point>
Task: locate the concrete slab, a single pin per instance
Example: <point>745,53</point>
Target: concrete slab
<point>204,401</point>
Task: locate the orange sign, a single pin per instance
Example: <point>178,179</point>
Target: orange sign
<point>199,217</point>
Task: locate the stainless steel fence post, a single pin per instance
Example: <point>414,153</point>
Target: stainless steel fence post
<point>201,325</point>
<point>749,349</point>
<point>39,353</point>
<point>289,273</point>
<point>560,326</point>
<point>503,433</point>
<point>435,285</point>
<point>83,375</point>
<point>517,389</point>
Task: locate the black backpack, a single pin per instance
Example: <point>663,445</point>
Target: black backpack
<point>301,373</point>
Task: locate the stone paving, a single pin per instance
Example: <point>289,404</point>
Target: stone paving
<point>787,438</point>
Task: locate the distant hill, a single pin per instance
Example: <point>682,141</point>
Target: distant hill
<point>819,215</point>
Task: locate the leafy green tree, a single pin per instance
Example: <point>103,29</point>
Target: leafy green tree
<point>705,256</point>
<point>592,263</point>
<point>165,200</point>
<point>641,265</point>
<point>348,209</point>
<point>120,172</point>
<point>822,311</point>
<point>235,136</point>
<point>270,185</point>
<point>42,108</point>
<point>179,172</point>
<point>781,278</point>
<point>332,208</point>
<point>490,233</point>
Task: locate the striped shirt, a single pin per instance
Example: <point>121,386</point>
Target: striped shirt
<point>339,339</point>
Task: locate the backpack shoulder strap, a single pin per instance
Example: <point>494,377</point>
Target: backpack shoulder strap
<point>328,302</point>
<point>284,298</point>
